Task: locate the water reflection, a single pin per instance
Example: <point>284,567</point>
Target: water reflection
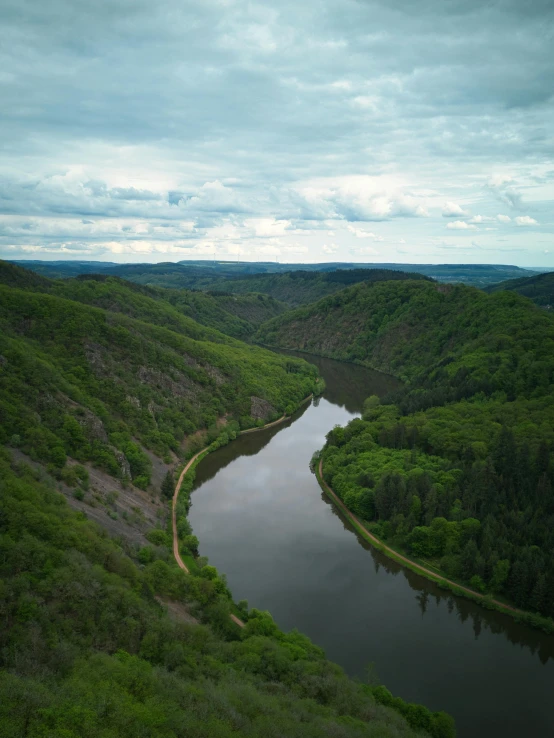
<point>488,620</point>
<point>262,519</point>
<point>348,385</point>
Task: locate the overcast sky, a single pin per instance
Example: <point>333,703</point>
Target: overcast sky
<point>314,130</point>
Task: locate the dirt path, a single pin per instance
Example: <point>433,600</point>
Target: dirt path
<point>188,465</point>
<point>176,553</point>
<point>398,557</point>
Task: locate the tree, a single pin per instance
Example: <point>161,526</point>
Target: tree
<point>499,575</point>
<point>168,487</point>
<point>539,594</point>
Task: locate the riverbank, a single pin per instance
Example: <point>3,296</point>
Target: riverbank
<point>487,601</point>
<point>191,464</point>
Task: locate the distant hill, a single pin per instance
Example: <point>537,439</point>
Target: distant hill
<point>196,274</point>
<point>236,316</point>
<point>539,288</point>
<point>302,287</point>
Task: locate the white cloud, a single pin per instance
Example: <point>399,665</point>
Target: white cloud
<point>525,220</point>
<point>480,219</point>
<point>330,248</point>
<point>504,218</point>
<point>267,227</point>
<point>461,225</point>
<point>358,198</point>
<point>452,210</point>
<point>364,251</point>
<point>360,233</point>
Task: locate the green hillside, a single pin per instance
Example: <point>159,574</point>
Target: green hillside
<point>100,379</point>
<point>200,274</point>
<point>88,651</point>
<point>539,289</point>
<point>237,316</point>
<point>303,287</point>
<point>109,638</point>
<point>456,468</point>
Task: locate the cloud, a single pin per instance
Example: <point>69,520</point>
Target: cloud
<point>504,189</point>
<point>360,233</point>
<point>525,220</point>
<point>330,248</point>
<point>364,251</point>
<point>139,118</point>
<point>480,219</point>
<point>452,210</point>
<point>503,218</point>
<point>460,225</point>
<point>358,199</point>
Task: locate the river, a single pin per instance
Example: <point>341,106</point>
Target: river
<point>262,520</point>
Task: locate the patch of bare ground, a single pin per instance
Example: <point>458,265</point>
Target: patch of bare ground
<point>123,511</point>
<point>178,611</point>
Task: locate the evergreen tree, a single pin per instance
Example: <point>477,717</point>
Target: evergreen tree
<point>168,486</point>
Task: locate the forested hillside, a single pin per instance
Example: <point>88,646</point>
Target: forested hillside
<point>303,287</point>
<point>236,316</point>
<point>107,638</point>
<point>457,467</point>
<point>87,650</point>
<point>539,288</point>
<point>200,274</point>
<point>96,384</point>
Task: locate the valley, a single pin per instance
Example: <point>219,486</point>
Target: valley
<point>113,392</point>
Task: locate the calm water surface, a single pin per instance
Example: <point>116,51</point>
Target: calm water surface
<point>262,519</point>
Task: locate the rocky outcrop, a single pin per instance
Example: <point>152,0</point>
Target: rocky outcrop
<point>261,409</point>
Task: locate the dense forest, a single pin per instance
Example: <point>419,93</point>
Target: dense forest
<point>107,638</point>
<point>235,315</point>
<point>538,288</point>
<point>202,274</point>
<point>457,466</point>
<point>303,287</point>
<point>88,650</point>
<point>100,384</point>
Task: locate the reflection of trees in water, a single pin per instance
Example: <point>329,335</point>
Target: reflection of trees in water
<point>348,385</point>
<point>249,444</point>
<point>493,621</point>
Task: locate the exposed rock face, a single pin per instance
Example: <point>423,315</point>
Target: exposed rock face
<point>261,409</point>
<point>94,353</point>
<point>215,374</point>
<point>93,426</point>
<point>178,384</point>
<point>123,463</point>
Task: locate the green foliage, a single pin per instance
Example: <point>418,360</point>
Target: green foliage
<point>86,649</point>
<point>458,464</point>
<point>302,287</point>
<point>168,486</point>
<point>539,288</point>
<point>102,386</point>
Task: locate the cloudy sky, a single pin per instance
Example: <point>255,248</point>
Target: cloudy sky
<point>313,130</point>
